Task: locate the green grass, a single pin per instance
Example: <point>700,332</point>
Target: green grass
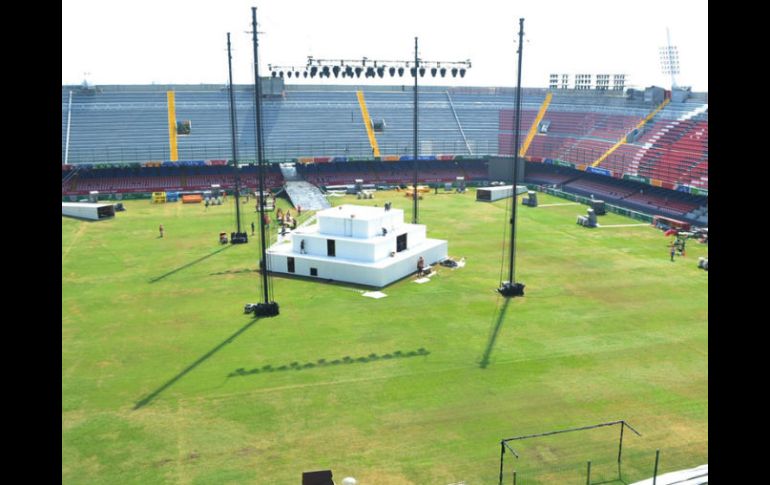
<point>153,336</point>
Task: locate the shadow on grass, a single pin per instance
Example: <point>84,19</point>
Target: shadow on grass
<point>150,397</point>
<point>234,271</point>
<point>611,480</point>
<point>493,334</point>
<point>324,363</point>
<point>155,280</point>
<point>343,284</point>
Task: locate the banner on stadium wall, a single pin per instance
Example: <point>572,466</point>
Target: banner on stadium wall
<point>391,158</point>
<point>683,188</point>
<point>548,161</point>
<point>636,178</point>
<point>426,157</point>
<point>321,159</point>
<point>600,171</point>
<point>409,158</point>
<point>698,191</point>
<point>445,157</point>
<point>581,167</point>
<point>305,159</point>
<point>562,163</point>
<point>656,182</point>
<point>668,185</point>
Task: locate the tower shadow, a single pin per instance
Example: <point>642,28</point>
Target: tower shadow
<point>155,280</point>
<point>150,397</point>
<point>493,334</point>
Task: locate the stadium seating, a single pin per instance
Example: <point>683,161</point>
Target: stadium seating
<point>129,124</point>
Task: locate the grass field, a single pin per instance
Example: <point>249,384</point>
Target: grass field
<point>428,379</point>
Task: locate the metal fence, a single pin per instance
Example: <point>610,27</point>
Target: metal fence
<point>276,152</point>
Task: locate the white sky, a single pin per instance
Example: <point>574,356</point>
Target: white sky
<point>185,42</point>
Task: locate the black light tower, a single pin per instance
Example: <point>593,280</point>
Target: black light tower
<point>511,288</point>
<point>416,151</point>
<point>267,308</point>
<point>237,237</point>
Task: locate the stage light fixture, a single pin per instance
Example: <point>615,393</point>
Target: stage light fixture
<point>370,71</point>
<point>400,72</point>
<point>349,71</point>
<point>280,73</point>
<point>392,71</point>
<point>358,71</point>
<point>413,71</point>
<point>454,72</point>
<point>442,71</point>
<point>274,74</point>
<point>336,71</point>
<point>325,71</point>
<point>304,74</point>
<point>462,72</point>
<point>381,71</point>
<point>422,72</point>
<point>433,71</point>
<point>313,71</point>
<point>288,74</point>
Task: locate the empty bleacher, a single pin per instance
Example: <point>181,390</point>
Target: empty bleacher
<point>129,124</point>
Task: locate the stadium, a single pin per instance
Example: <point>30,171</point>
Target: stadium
<point>187,209</point>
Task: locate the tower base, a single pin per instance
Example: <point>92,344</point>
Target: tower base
<point>262,309</point>
<point>509,290</point>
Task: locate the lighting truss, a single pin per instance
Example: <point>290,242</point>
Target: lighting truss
<point>370,68</point>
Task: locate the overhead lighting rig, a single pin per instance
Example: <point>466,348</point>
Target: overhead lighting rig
<point>349,68</point>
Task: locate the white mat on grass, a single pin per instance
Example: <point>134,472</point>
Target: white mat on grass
<point>422,280</point>
<point>375,294</point>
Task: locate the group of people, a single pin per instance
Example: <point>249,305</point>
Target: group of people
<point>285,219</point>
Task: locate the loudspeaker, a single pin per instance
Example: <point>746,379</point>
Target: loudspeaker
<point>323,477</point>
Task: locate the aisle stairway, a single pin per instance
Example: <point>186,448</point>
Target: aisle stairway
<point>300,192</point>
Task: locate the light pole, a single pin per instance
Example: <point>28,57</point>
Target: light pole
<point>669,59</point>
<point>511,288</point>
<point>268,308</point>
<point>238,237</point>
<point>416,149</point>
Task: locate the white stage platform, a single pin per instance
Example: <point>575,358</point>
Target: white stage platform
<point>348,245</point>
